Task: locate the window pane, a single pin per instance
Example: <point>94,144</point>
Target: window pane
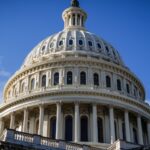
<point>69,77</point>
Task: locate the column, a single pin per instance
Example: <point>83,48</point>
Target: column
<point>127,126</point>
<point>12,121</point>
<point>76,76</point>
<point>41,118</point>
<point>140,132</point>
<point>77,123</point>
<point>62,74</point>
<point>112,128</point>
<point>120,128</point>
<point>114,85</point>
<point>90,77</point>
<point>25,120</point>
<point>95,130</point>
<point>148,131</point>
<point>1,125</point>
<point>58,121</point>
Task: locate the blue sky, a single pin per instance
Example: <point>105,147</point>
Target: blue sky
<point>123,23</point>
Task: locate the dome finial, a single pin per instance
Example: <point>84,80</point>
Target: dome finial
<point>75,3</point>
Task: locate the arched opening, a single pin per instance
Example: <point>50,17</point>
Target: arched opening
<point>96,79</point>
<point>37,126</point>
<point>32,84</point>
<point>84,128</point>
<point>53,127</point>
<point>56,78</point>
<point>127,88</point>
<point>44,81</point>
<point>100,130</point>
<point>83,78</point>
<point>116,130</point>
<point>135,140</point>
<point>69,77</point>
<point>108,82</point>
<point>118,85</point>
<point>68,128</point>
<point>78,20</point>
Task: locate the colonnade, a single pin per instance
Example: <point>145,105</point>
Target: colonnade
<point>94,135</point>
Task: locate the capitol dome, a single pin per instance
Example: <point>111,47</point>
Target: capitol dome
<point>73,42</point>
<point>75,86</point>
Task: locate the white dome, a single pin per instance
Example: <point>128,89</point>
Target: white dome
<point>74,42</point>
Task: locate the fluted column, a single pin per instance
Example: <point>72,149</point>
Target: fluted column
<point>127,126</point>
<point>12,121</point>
<point>120,128</point>
<point>77,123</point>
<point>41,118</point>
<point>140,132</point>
<point>25,120</point>
<point>95,130</point>
<point>112,128</point>
<point>58,121</point>
<point>1,125</point>
<point>148,131</point>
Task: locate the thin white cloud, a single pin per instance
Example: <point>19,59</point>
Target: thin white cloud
<point>4,73</point>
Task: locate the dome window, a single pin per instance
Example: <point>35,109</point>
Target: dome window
<point>44,81</point>
<point>80,42</point>
<point>71,42</point>
<point>60,43</point>
<point>52,45</point>
<point>107,49</point>
<point>43,48</point>
<point>108,82</point>
<point>90,43</point>
<point>69,77</point>
<point>99,46</point>
<point>96,79</point>
<point>127,88</point>
<point>56,78</point>
<point>118,85</point>
<point>83,78</point>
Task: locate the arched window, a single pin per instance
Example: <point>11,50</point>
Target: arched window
<point>118,85</point>
<point>74,19</point>
<point>135,140</point>
<point>108,82</point>
<point>70,42</point>
<point>60,43</point>
<point>53,127</point>
<point>127,88</point>
<point>84,128</point>
<point>99,45</point>
<point>23,87</point>
<point>44,81</point>
<point>80,42</point>
<point>69,77</point>
<point>56,78</point>
<point>100,130</point>
<point>82,78</point>
<point>96,79</point>
<point>32,84</point>
<point>90,43</point>
<point>68,128</point>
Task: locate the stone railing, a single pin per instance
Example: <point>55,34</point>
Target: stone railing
<point>37,141</point>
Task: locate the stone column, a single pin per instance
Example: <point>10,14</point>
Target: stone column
<point>25,120</point>
<point>148,131</point>
<point>41,118</point>
<point>77,123</point>
<point>12,121</point>
<point>127,126</point>
<point>90,77</point>
<point>120,128</point>
<point>1,125</point>
<point>112,127</point>
<point>114,85</point>
<point>95,129</point>
<point>140,132</point>
<point>76,76</point>
<point>62,74</point>
<point>58,121</point>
